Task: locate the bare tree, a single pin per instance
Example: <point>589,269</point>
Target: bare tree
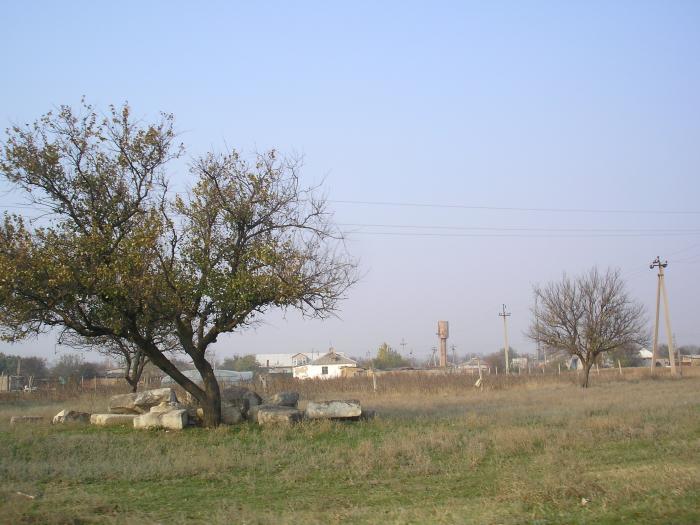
<point>125,352</point>
<point>587,316</point>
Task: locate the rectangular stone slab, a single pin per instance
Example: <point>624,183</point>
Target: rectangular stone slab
<point>109,420</point>
<point>275,414</point>
<point>173,420</point>
<point>18,420</point>
<point>285,399</point>
<point>337,409</point>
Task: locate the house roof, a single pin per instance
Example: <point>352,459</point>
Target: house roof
<point>331,358</point>
<point>226,376</point>
<point>645,354</point>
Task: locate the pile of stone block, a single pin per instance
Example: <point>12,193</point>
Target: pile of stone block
<point>158,408</point>
<point>283,408</point>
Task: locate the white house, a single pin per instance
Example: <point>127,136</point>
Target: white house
<point>326,366</point>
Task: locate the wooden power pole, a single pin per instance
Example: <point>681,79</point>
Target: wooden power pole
<point>661,290</point>
<point>505,316</point>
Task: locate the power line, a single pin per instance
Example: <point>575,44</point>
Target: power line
<point>477,207</point>
<point>515,208</point>
<point>524,229</point>
<point>518,235</point>
<point>696,245</point>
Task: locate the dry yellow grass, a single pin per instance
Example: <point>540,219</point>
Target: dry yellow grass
<point>519,451</point>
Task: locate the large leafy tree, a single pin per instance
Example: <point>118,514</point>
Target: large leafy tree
<point>587,316</point>
<point>116,256</point>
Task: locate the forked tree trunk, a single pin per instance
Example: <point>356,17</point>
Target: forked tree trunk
<point>134,368</point>
<point>133,384</point>
<point>211,400</point>
<point>586,373</point>
<point>209,397</point>
<point>134,364</point>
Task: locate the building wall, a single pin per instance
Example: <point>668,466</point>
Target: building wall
<point>316,371</point>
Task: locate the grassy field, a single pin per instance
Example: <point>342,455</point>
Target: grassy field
<point>532,450</point>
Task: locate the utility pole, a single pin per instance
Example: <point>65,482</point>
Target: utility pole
<point>661,289</point>
<point>505,316</point>
<point>537,332</point>
<point>403,346</point>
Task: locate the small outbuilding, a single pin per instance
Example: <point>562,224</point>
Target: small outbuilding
<point>330,365</point>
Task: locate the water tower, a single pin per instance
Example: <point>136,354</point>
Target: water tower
<point>443,333</point>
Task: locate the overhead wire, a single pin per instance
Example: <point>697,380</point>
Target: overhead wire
<point>520,234</point>
<point>478,207</point>
<point>524,229</point>
<point>513,208</point>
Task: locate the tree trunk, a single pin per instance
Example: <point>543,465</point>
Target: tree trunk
<point>586,372</point>
<point>127,372</point>
<point>158,359</point>
<point>133,384</point>
<point>133,367</point>
<point>211,400</point>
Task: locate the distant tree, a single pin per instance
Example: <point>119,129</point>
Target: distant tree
<point>118,255</point>
<point>498,359</point>
<point>240,363</point>
<point>130,356</point>
<point>688,350</point>
<point>362,362</point>
<point>74,367</point>
<point>627,355</point>
<point>662,350</point>
<point>30,366</point>
<point>587,316</point>
<point>388,358</point>
<point>34,367</point>
<point>7,362</point>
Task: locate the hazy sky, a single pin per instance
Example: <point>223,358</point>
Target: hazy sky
<point>567,105</point>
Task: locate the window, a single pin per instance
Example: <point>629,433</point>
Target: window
<point>324,370</point>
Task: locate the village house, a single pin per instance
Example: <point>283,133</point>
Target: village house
<point>330,365</point>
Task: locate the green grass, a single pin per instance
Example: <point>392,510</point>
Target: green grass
<point>525,454</point>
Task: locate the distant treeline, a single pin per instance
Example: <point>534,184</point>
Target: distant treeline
<point>67,366</point>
